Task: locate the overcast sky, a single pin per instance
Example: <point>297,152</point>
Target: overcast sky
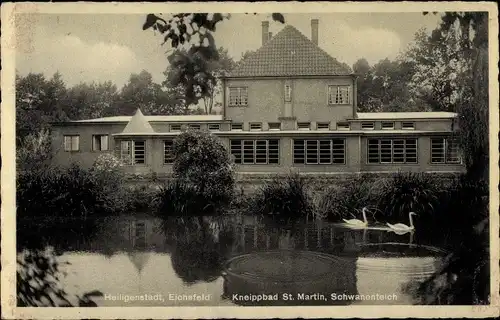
<point>90,47</point>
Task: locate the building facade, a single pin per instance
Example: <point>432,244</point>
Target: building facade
<point>289,105</point>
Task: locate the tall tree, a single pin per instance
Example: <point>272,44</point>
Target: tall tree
<point>38,102</point>
<point>94,100</point>
<point>198,78</point>
<point>141,92</point>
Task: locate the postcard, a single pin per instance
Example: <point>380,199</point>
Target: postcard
<point>249,160</point>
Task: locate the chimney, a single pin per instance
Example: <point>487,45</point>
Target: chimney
<point>265,31</point>
<point>314,31</point>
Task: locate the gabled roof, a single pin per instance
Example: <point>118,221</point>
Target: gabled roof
<point>138,124</point>
<point>289,53</point>
<point>405,115</point>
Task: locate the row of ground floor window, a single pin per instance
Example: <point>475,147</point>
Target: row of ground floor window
<point>310,151</point>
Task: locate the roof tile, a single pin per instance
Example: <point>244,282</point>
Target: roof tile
<point>289,53</point>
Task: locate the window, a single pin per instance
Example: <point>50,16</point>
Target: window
<point>194,126</point>
<point>338,95</point>
<point>100,142</point>
<point>133,152</point>
<point>445,150</point>
<point>255,151</point>
<point>275,126</point>
<point>323,125</point>
<point>237,126</point>
<point>367,125</point>
<point>168,151</point>
<point>408,125</point>
<point>214,127</point>
<point>255,126</point>
<point>387,125</point>
<point>238,97</point>
<point>175,127</point>
<point>288,93</point>
<point>323,151</point>
<point>303,125</point>
<point>71,143</point>
<point>343,126</point>
<point>392,151</point>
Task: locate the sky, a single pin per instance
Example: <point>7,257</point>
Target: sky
<point>102,47</point>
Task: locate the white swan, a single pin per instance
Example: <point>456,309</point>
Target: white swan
<point>401,228</point>
<point>357,222</point>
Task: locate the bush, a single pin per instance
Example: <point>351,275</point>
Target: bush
<point>406,192</point>
<point>285,198</point>
<point>342,202</point>
<point>70,192</point>
<point>179,199</point>
<point>33,151</point>
<point>202,163</point>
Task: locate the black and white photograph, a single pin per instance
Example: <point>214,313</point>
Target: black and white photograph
<point>249,155</point>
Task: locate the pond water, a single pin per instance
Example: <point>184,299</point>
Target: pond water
<point>140,260</point>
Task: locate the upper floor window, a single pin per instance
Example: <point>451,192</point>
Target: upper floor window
<point>168,154</point>
<point>323,125</point>
<point>387,125</point>
<point>100,142</point>
<point>338,95</point>
<point>445,150</point>
<point>256,126</point>
<point>72,143</point>
<point>304,125</point>
<point>274,125</point>
<point>238,96</point>
<point>255,151</point>
<point>288,93</point>
<point>175,127</point>
<point>367,125</point>
<point>343,126</point>
<point>194,126</point>
<point>214,127</point>
<point>236,126</point>
<point>408,125</point>
<point>133,152</point>
<point>392,150</point>
<point>324,151</point>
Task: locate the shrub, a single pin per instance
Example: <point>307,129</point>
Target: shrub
<point>176,198</point>
<point>33,151</point>
<point>69,192</point>
<point>343,201</point>
<point>405,192</point>
<point>285,198</point>
<point>109,180</point>
<point>202,163</point>
<point>141,198</point>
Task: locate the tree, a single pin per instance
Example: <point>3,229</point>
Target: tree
<point>141,92</point>
<point>203,163</point>
<point>94,100</point>
<point>198,78</point>
<point>38,102</point>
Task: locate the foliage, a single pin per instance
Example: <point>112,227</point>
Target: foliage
<point>38,282</point>
<point>342,202</point>
<point>34,151</point>
<point>153,99</point>
<point>197,77</point>
<point>94,100</point>
<point>202,162</point>
<point>405,192</point>
<point>141,198</point>
<point>176,198</point>
<point>283,197</point>
<point>69,192</point>
<point>384,87</point>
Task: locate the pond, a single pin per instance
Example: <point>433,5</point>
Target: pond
<point>141,260</point>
